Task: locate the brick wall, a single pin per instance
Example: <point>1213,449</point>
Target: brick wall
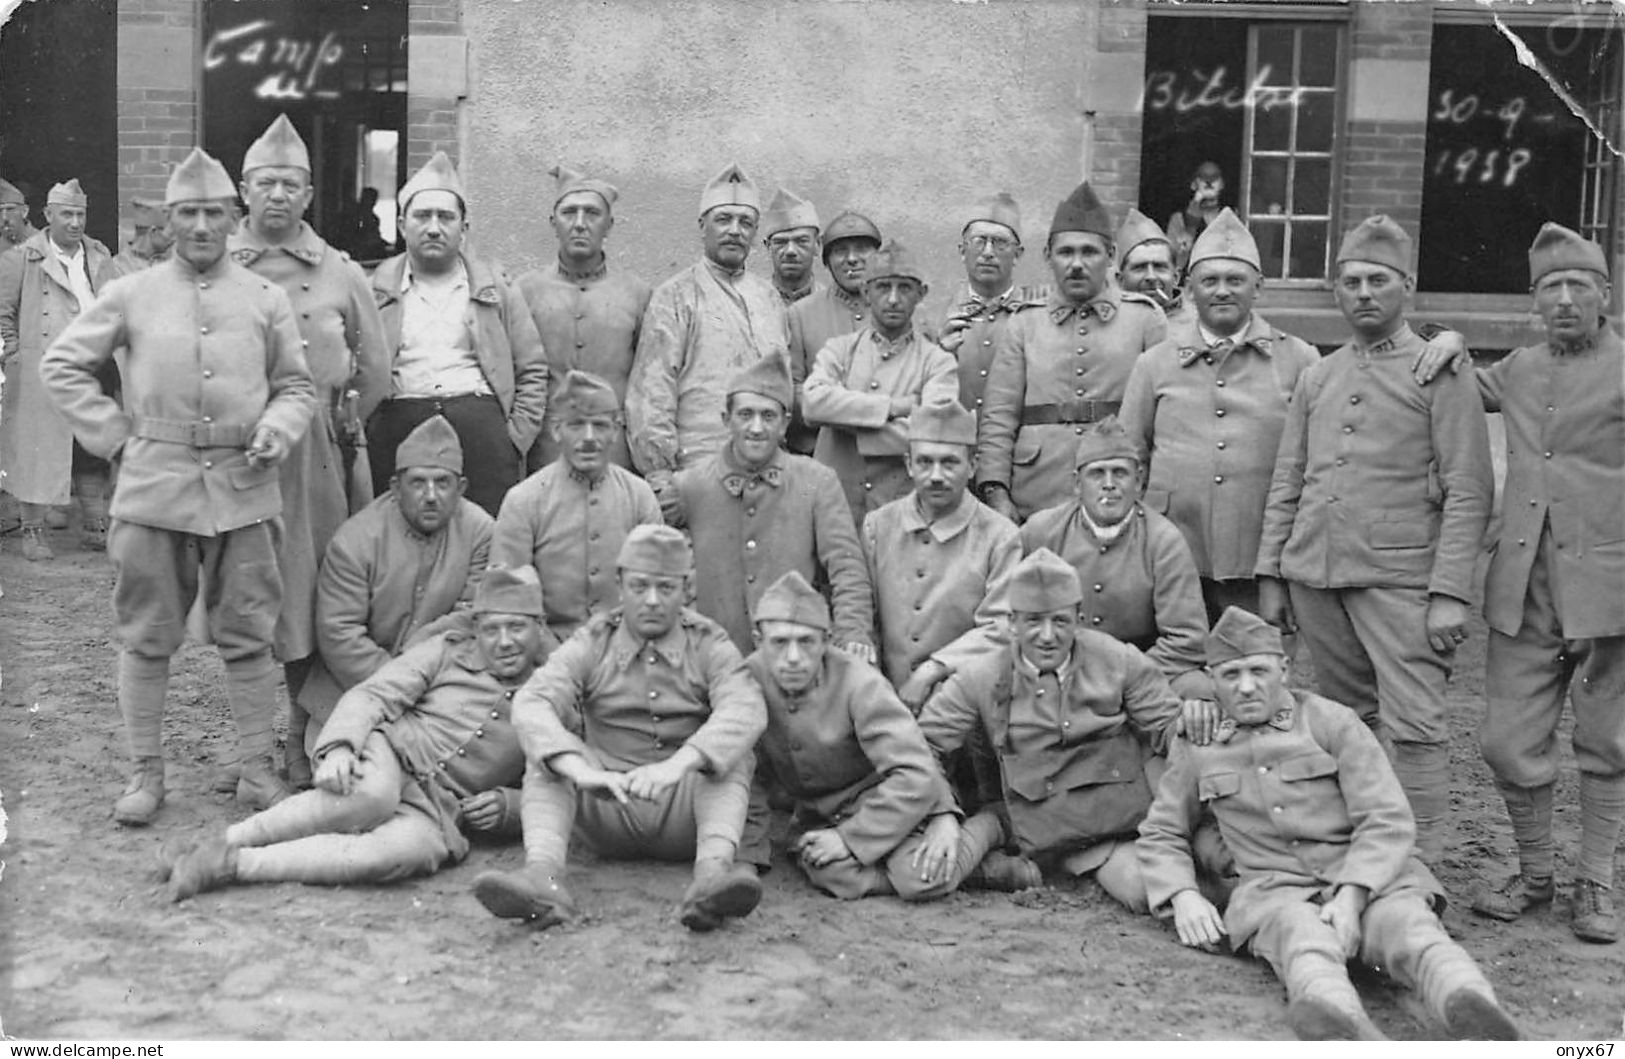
<point>158,117</point>
<point>1115,172</point>
<point>431,117</point>
<point>1384,157</point>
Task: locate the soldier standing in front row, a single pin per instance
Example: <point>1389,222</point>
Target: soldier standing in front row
<point>216,393</point>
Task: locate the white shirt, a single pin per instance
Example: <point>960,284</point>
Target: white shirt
<point>73,263</point>
<point>436,358</point>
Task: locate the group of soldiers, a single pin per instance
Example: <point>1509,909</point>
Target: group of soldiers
<point>973,601</point>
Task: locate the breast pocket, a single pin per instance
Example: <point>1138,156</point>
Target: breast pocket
<point>1308,767</point>
<point>1400,534</point>
<point>246,476</point>
<point>1216,785</point>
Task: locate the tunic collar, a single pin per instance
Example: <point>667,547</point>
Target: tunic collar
<point>1585,345</point>
<point>583,480</point>
<point>945,528</point>
<point>1398,340</point>
<point>850,300</point>
<point>1103,307</point>
<point>670,646</point>
<point>792,296</point>
<point>736,477</point>
<point>187,273</point>
<point>1106,534</point>
<point>247,246</point>
<point>1281,720</point>
<point>598,271</point>
<point>1201,344</point>
<point>722,275</point>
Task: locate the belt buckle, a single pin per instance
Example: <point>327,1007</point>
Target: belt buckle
<point>196,435</point>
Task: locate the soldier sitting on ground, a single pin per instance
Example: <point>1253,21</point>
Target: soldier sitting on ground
<point>411,757</point>
<point>1325,843</point>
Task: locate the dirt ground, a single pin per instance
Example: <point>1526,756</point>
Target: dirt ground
<point>91,948</point>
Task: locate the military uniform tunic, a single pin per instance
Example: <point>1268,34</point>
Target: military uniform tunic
<point>1071,746</point>
<point>702,328</point>
<point>571,530</point>
<point>849,753</point>
<point>382,584</point>
<point>1056,368</point>
<point>1306,803</point>
<point>589,321</point>
<point>1207,472</point>
<point>935,583</point>
<point>813,321</point>
<point>1140,587</point>
<point>988,319</point>
<point>343,341</point>
<point>849,393</point>
<point>1555,595</point>
<point>749,529</point>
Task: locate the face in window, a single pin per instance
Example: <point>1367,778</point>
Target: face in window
<point>1224,290</point>
<point>1372,297</point>
<point>152,240</point>
<point>427,496</point>
<point>1149,269</point>
<point>1079,261</point>
<point>756,426</point>
<point>652,603</point>
<point>1046,638</point>
<point>1570,301</point>
<point>277,197</point>
<point>200,227</point>
<point>581,221</point>
<point>432,225</point>
<point>1109,489</point>
<point>1250,688</point>
<point>727,232</point>
<point>847,259</point>
<point>990,252</point>
<point>941,471</point>
<point>1208,184</point>
<point>794,653</point>
<point>792,253</point>
<point>510,643</point>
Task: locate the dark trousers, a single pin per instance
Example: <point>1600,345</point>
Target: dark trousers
<point>490,462</point>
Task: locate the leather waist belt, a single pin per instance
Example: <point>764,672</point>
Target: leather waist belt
<point>1083,410</point>
<point>197,434</point>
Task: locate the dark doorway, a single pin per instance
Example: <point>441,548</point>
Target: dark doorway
<point>337,68</point>
<point>59,105</point>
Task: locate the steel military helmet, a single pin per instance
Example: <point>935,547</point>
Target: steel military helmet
<point>849,224</point>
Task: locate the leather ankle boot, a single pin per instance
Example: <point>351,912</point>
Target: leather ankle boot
<point>722,889</point>
<point>258,785</point>
<point>143,796</point>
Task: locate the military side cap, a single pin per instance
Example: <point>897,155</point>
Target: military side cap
<point>1558,247</point>
<point>655,549</point>
<point>279,145</point>
<point>1378,240</point>
<point>1239,633</point>
<point>432,443</point>
<point>893,259</point>
<point>10,196</point>
<point>146,213</point>
<point>437,174</point>
<point>568,181</point>
<point>67,194</point>
<point>788,210</point>
<point>791,598</point>
<point>1043,582</point>
<point>1082,211</point>
<point>587,393</point>
<point>731,187</point>
<point>1104,440</point>
<point>769,376</point>
<point>1137,228</point>
<point>943,421</point>
<point>999,208</point>
<point>1226,236</point>
<point>849,224</point>
<point>199,179</point>
<point>510,590</point>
